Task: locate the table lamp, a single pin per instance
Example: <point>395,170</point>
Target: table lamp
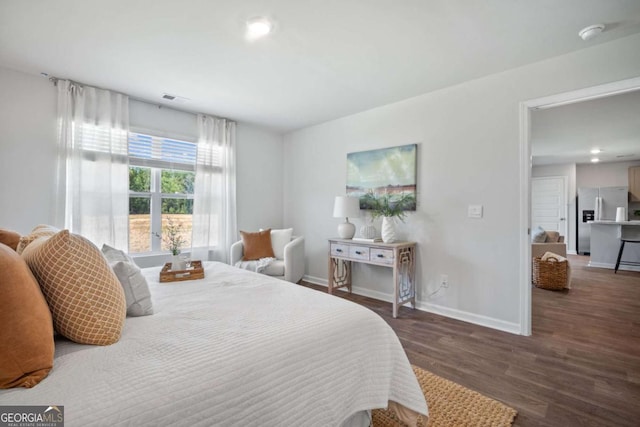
<point>346,207</point>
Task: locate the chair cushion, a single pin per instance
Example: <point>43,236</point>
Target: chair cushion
<point>538,235</point>
<point>26,328</point>
<point>83,293</point>
<point>276,268</point>
<point>134,284</point>
<point>9,238</point>
<point>257,245</point>
<point>279,239</point>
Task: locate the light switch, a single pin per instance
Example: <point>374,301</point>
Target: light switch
<point>475,211</point>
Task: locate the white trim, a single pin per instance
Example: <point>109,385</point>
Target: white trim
<point>464,316</point>
<point>525,220</point>
<point>585,94</point>
<point>612,266</point>
<point>569,252</point>
<point>579,95</point>
<point>315,280</point>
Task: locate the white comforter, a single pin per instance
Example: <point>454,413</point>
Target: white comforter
<point>236,348</point>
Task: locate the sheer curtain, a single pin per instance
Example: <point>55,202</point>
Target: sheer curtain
<point>214,205</point>
<point>92,184</point>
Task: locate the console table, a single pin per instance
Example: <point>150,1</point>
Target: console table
<point>400,256</point>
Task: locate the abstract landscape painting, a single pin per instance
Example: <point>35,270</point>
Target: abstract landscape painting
<point>387,170</point>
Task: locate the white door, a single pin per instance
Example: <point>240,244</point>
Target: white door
<point>548,204</point>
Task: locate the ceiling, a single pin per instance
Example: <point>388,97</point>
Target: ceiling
<point>326,59</point>
<point>567,134</point>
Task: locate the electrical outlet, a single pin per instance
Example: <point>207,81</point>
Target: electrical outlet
<point>444,281</point>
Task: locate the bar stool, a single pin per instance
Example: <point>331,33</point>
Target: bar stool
<point>622,242</point>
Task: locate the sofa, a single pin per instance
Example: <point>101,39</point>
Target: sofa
<point>553,242</point>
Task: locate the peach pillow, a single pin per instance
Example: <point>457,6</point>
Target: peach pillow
<point>9,238</point>
<point>84,295</point>
<point>26,329</point>
<point>257,245</point>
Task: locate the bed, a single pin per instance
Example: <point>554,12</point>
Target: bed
<point>235,348</point>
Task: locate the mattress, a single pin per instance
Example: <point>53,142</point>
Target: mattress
<point>235,348</point>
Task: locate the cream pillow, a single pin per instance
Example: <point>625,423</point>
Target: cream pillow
<point>38,231</point>
<point>279,239</point>
<point>83,293</point>
<point>134,284</point>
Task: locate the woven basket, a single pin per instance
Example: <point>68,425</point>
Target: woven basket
<point>549,274</point>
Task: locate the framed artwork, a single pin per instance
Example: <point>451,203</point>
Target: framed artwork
<point>386,170</point>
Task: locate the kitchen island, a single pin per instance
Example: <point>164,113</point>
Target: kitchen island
<point>605,243</point>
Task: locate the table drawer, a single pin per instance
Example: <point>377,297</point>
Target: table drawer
<point>359,252</point>
<point>339,250</point>
<point>383,256</point>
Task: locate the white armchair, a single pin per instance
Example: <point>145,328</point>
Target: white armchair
<point>291,268</point>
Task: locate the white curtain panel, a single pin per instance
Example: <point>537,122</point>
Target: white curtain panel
<point>92,185</point>
<point>214,205</point>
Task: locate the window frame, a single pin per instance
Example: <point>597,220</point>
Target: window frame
<point>155,195</point>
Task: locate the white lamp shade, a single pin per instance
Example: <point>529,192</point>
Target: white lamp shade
<point>345,207</point>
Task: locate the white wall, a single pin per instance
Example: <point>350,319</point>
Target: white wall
<point>28,153</point>
<point>27,150</point>
<point>259,179</point>
<point>162,121</point>
<point>468,138</point>
<point>569,171</point>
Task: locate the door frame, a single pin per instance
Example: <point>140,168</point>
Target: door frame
<point>565,206</point>
<point>525,108</point>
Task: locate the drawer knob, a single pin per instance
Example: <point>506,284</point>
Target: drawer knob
<point>380,256</point>
<point>338,250</point>
<point>359,253</point>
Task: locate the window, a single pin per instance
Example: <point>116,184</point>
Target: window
<point>161,182</point>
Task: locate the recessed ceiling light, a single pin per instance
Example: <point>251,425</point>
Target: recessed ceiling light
<point>591,31</point>
<point>596,151</point>
<point>258,28</point>
<point>595,160</point>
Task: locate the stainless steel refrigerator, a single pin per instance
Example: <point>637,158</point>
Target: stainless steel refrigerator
<point>595,204</point>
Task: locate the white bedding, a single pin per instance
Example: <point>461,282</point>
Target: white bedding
<point>236,348</point>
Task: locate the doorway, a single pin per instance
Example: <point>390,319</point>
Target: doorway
<point>526,182</point>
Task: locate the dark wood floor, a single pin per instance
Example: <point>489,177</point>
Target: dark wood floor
<point>581,366</point>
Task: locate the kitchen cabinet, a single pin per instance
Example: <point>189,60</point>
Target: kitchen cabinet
<point>634,184</point>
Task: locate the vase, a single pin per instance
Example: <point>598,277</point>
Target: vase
<point>368,231</point>
<point>388,229</point>
<point>177,263</point>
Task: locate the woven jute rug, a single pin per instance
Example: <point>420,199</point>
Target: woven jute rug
<point>451,404</point>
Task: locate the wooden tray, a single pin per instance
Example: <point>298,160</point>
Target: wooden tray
<point>195,272</point>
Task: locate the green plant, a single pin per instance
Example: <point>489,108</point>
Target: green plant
<point>389,204</point>
<point>172,236</point>
<point>636,212</point>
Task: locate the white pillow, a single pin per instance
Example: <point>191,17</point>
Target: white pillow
<point>538,235</point>
<point>279,239</point>
<point>136,289</point>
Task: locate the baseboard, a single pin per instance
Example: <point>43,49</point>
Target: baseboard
<point>465,316</point>
<point>613,266</point>
<point>572,252</point>
<point>315,280</point>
